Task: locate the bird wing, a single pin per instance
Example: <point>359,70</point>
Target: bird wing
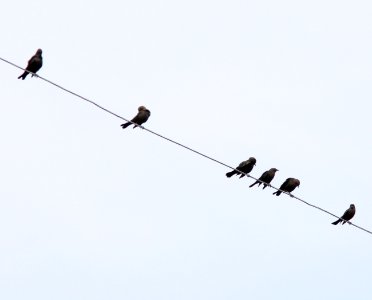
<point>265,175</point>
<point>137,118</point>
<point>284,186</point>
<point>348,214</point>
<point>141,117</point>
<point>34,64</point>
<point>243,163</point>
<point>31,60</point>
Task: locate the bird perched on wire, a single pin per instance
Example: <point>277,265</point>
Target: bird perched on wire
<point>347,216</point>
<point>245,167</point>
<point>34,64</point>
<point>141,117</point>
<point>288,186</point>
<point>266,178</point>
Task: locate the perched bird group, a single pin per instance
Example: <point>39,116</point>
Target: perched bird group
<point>36,62</point>
<point>287,186</point>
<point>246,167</point>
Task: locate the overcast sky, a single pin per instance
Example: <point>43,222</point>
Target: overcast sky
<point>92,211</point>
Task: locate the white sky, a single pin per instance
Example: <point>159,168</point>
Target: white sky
<point>91,211</point>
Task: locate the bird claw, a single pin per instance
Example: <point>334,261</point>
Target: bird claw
<point>290,195</point>
<point>140,126</point>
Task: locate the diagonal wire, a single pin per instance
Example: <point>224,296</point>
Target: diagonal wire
<point>183,146</point>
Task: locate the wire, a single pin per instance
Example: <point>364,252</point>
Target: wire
<point>184,146</point>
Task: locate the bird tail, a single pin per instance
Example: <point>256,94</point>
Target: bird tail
<point>125,125</point>
<point>336,222</point>
<point>277,193</point>
<point>23,76</point>
<point>253,184</point>
<point>229,174</point>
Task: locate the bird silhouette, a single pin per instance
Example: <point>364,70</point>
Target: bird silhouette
<point>245,167</point>
<point>288,186</point>
<point>34,65</point>
<point>141,117</point>
<point>265,178</point>
<point>347,216</point>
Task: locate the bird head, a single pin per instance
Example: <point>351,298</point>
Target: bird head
<point>39,51</point>
<point>252,160</point>
<point>352,206</point>
<point>297,182</point>
<point>274,170</point>
<point>141,108</point>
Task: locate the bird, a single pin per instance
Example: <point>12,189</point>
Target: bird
<point>266,178</point>
<point>245,167</point>
<point>288,186</point>
<point>347,216</point>
<point>34,64</point>
<point>141,117</point>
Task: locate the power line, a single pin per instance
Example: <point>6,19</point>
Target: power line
<point>183,146</point>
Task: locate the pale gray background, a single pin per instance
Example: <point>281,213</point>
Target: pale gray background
<point>89,211</point>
